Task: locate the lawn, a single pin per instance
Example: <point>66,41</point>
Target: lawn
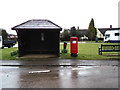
<point>89,51</point>
<point>6,53</point>
<point>86,51</point>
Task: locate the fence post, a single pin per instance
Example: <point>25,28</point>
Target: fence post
<point>101,49</point>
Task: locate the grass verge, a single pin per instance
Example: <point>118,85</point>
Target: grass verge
<point>87,51</point>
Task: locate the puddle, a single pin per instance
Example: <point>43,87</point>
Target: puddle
<point>42,71</point>
<point>59,77</point>
<point>83,67</point>
<point>83,73</point>
<point>65,64</point>
<point>86,67</point>
<point>8,67</point>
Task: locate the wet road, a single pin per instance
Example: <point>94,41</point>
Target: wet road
<point>75,75</point>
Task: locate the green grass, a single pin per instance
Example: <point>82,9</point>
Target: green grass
<point>87,51</point>
<point>6,53</point>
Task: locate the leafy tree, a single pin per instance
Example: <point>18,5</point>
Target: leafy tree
<point>73,31</point>
<point>78,34</point>
<point>65,36</point>
<point>69,33</point>
<point>92,32</point>
<point>4,34</point>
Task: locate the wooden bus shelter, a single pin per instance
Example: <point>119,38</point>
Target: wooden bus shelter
<point>38,37</point>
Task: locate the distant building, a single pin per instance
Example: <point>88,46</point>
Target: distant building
<point>99,34</point>
<point>84,38</point>
<point>100,31</point>
<point>12,37</point>
<point>38,36</point>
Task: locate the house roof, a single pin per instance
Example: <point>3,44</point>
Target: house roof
<point>37,24</point>
<point>102,30</point>
<point>108,28</point>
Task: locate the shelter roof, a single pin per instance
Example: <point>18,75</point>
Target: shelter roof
<point>37,24</point>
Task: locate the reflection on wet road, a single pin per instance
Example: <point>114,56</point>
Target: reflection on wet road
<point>60,77</point>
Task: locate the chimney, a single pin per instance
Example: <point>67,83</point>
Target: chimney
<point>110,26</point>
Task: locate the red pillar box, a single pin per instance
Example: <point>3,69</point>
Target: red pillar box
<point>74,46</point>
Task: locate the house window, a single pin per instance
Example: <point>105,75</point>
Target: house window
<point>42,36</point>
<point>117,34</point>
<point>107,36</point>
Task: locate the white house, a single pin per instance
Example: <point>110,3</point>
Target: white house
<point>99,34</point>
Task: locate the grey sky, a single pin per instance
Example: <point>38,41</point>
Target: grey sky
<point>65,13</point>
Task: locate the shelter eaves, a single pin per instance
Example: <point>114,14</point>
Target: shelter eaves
<point>37,24</point>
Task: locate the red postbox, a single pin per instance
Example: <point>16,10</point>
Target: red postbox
<point>74,46</point>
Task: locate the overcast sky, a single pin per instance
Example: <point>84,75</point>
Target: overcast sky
<point>65,13</point>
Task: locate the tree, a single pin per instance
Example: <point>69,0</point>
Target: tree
<point>69,33</point>
<point>65,36</point>
<point>78,34</point>
<point>73,31</point>
<point>4,34</point>
<point>92,32</point>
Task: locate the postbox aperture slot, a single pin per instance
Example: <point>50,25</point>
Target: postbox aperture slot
<point>74,41</point>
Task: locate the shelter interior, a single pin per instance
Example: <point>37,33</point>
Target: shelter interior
<point>38,42</point>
